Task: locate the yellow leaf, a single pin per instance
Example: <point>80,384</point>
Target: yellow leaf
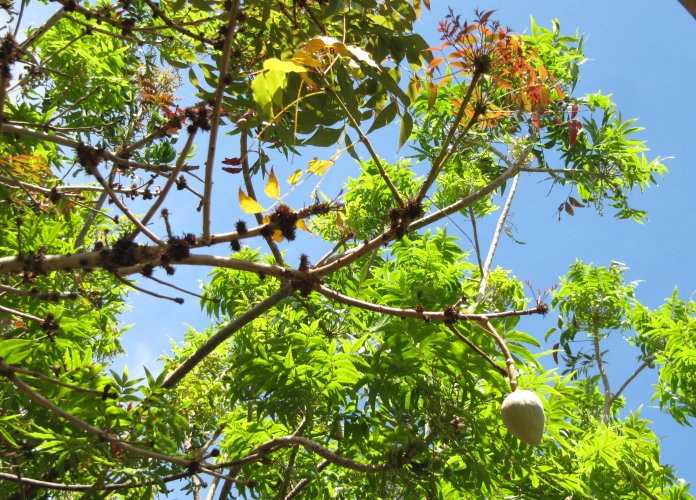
<point>277,235</point>
<point>249,204</point>
<point>318,167</point>
<point>295,177</point>
<point>301,224</point>
<point>266,219</point>
<point>272,189</point>
<point>305,58</point>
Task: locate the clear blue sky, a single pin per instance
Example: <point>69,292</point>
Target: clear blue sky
<point>642,53</point>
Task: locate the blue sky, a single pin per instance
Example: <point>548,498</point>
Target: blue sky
<point>642,53</point>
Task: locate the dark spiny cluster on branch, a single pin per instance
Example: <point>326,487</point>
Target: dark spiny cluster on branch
<point>284,219</point>
<point>89,157</point>
<point>199,116</point>
<point>123,253</point>
<point>10,53</point>
<point>400,218</point>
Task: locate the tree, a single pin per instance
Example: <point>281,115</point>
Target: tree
<point>374,365</point>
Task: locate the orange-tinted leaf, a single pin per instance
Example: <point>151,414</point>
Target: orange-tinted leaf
<point>574,129</point>
<point>427,4</point>
<point>555,352</point>
<point>575,202</point>
<point>574,111</point>
<point>272,189</point>
<point>277,235</point>
<point>435,62</point>
<point>249,204</point>
<point>568,208</point>
<point>295,177</point>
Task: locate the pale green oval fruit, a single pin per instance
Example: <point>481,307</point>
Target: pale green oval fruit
<point>523,415</point>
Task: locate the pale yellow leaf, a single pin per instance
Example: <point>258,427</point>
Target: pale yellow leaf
<point>318,167</point>
<point>274,64</point>
<point>301,224</point>
<point>272,189</point>
<point>295,177</point>
<point>249,204</point>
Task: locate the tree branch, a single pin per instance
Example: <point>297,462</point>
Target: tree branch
<point>445,316</point>
<point>223,334</point>
<point>246,173</point>
<point>215,119</point>
<point>496,238</point>
<point>446,151</point>
<point>478,351</point>
<point>630,379</point>
<point>512,373</point>
<point>170,182</point>
<point>92,487</point>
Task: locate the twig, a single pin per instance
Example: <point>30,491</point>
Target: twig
<point>183,290</point>
<point>35,294</point>
<point>606,411</point>
<point>170,182</point>
<point>46,378</point>
<point>630,379</point>
<point>209,443</point>
<point>428,315</point>
<point>246,173</point>
<point>20,314</point>
<point>215,120</point>
<point>90,429</point>
<point>478,351</point>
<point>43,29</point>
<point>223,334</point>
<point>87,487</point>
<point>363,138</point>
<point>476,240</point>
<point>70,143</point>
<point>496,238</point>
<point>446,150</point>
<point>512,373</point>
<point>126,282</point>
<point>122,207</point>
<point>304,482</point>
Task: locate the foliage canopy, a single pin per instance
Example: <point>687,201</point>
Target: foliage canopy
<point>375,364</point>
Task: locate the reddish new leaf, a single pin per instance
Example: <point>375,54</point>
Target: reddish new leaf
<point>231,170</point>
